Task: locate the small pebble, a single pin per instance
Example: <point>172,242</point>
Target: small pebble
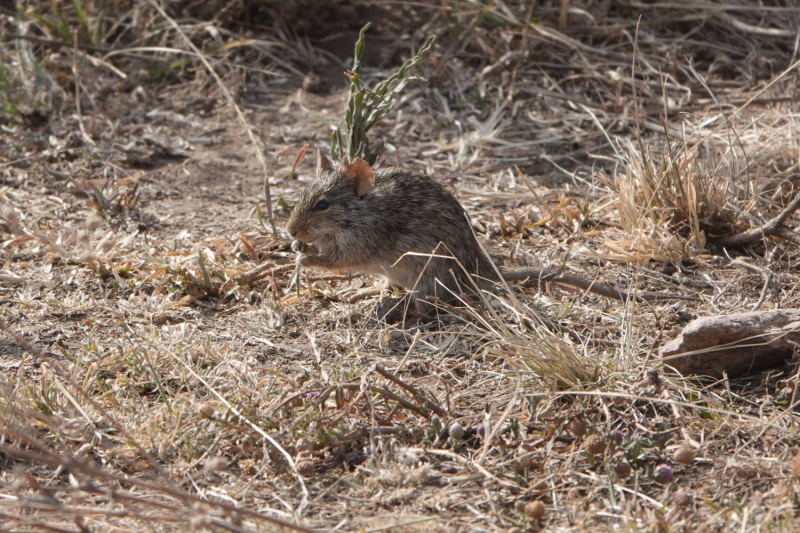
<point>684,455</point>
<point>457,431</point>
<point>535,510</point>
<point>595,444</point>
<point>206,409</point>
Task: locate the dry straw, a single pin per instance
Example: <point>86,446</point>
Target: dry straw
<point>177,392</point>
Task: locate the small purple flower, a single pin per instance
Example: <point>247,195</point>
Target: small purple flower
<point>457,431</point>
<point>615,436</point>
<point>664,474</point>
<point>312,394</point>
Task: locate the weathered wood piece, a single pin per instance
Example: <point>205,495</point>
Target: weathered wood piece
<point>734,344</point>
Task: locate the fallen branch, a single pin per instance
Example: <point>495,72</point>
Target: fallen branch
<point>531,277</point>
<point>784,232</point>
<point>774,227</point>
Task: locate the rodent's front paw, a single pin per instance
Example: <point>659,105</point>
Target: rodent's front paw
<point>305,260</point>
<point>307,253</point>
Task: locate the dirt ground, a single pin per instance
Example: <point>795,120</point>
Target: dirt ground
<point>146,383</point>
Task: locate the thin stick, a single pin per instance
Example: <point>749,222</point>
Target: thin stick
<point>435,407</point>
<point>499,424</point>
<point>259,272</point>
<point>411,347</point>
<point>767,275</point>
<point>77,83</point>
<point>755,30</point>
<point>555,276</point>
<point>785,233</point>
<point>679,281</point>
<point>767,229</point>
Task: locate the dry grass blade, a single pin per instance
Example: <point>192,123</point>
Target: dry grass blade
<point>661,201</point>
<point>72,464</point>
<point>304,502</point>
<point>63,374</point>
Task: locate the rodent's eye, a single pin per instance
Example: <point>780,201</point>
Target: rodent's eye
<point>321,205</point>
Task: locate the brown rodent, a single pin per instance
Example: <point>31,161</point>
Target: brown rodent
<point>405,226</point>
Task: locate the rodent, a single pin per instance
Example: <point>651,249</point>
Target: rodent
<point>405,226</point>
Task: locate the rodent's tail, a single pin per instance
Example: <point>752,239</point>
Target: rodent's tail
<point>535,276</point>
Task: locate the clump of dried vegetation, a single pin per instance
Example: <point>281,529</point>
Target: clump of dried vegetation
<point>161,369</point>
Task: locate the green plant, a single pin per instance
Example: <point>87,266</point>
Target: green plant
<point>366,107</point>
<point>58,22</point>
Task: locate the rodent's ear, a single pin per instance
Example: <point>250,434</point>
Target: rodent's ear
<point>361,174</point>
<point>323,163</point>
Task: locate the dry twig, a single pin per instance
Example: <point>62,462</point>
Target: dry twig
<point>770,228</point>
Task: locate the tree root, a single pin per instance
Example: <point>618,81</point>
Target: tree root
<point>772,228</point>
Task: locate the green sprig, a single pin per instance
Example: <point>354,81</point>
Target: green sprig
<point>366,107</point>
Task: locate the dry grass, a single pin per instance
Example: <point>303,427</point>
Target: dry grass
<point>145,386</point>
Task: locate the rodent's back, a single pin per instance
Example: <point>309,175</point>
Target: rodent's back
<point>410,212</point>
<point>416,213</point>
